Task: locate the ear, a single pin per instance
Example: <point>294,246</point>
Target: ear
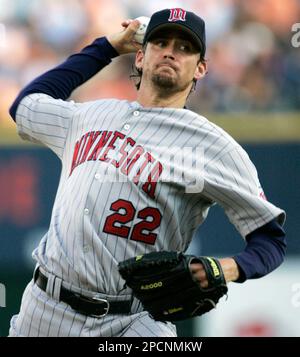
<point>201,70</point>
<point>139,59</point>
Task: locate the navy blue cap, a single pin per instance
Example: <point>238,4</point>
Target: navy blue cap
<point>178,18</point>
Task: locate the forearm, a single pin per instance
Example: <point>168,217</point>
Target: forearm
<point>264,252</point>
<point>62,80</point>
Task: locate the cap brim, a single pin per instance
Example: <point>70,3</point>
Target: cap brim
<point>194,38</point>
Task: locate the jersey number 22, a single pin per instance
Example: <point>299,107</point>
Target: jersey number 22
<point>115,223</point>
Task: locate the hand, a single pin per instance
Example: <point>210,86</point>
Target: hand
<point>199,274</point>
<point>160,280</point>
<point>123,41</point>
<point>229,267</point>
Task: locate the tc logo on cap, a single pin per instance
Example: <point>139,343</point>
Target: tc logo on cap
<point>177,15</point>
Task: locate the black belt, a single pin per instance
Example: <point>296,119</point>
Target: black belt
<point>95,307</point>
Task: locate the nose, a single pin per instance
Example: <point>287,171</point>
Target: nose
<point>169,55</point>
<point>169,51</point>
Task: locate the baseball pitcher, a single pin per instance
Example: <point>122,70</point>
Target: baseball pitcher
<point>138,178</point>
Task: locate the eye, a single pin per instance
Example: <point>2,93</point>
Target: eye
<point>160,42</point>
<point>185,47</point>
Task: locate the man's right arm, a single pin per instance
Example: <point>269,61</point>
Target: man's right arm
<point>62,80</point>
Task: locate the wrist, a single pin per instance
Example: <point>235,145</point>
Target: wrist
<point>107,48</point>
<point>113,41</point>
<point>230,269</point>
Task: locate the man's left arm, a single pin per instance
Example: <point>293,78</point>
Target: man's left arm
<point>264,252</point>
<point>237,189</point>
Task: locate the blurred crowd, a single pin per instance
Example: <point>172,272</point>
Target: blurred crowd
<point>252,65</point>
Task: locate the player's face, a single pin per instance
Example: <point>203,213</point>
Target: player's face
<point>171,62</point>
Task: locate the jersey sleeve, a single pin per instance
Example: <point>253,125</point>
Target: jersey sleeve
<point>42,119</point>
<point>233,183</point>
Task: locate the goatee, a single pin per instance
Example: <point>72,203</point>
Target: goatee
<point>167,86</point>
<point>163,82</point>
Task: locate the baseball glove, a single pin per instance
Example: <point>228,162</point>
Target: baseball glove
<point>164,284</point>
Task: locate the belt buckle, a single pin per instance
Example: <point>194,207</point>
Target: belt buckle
<point>106,309</point>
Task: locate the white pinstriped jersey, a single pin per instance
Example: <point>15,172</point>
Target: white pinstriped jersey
<point>121,194</point>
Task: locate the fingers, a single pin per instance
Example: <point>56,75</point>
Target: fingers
<point>128,22</point>
<point>199,274</point>
<point>132,27</point>
<point>123,41</point>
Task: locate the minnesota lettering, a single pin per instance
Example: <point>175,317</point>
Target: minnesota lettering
<point>120,151</point>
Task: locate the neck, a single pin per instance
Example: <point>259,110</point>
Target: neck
<point>149,97</point>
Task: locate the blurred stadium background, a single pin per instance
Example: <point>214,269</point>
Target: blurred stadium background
<point>252,90</point>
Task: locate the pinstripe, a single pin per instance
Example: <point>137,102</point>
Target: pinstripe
<point>216,155</point>
<point>74,328</point>
<point>116,240</point>
<point>217,194</point>
<point>61,322</point>
<point>137,334</point>
<point>49,333</point>
<point>251,172</point>
<point>83,232</point>
<point>42,317</point>
<point>22,323</point>
<point>46,134</point>
<point>44,141</point>
<point>83,325</point>
<point>243,203</point>
<point>168,197</point>
<point>105,240</point>
<point>216,197</point>
<point>77,217</point>
<point>148,332</point>
<point>39,112</point>
<point>238,170</point>
<point>43,123</point>
<point>111,329</point>
<point>29,302</point>
<point>184,222</point>
<point>32,319</point>
<point>242,207</point>
<point>57,105</point>
<point>229,177</point>
<point>72,324</point>
<point>122,326</point>
<point>149,123</point>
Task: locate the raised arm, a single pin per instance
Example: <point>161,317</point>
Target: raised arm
<point>62,80</point>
